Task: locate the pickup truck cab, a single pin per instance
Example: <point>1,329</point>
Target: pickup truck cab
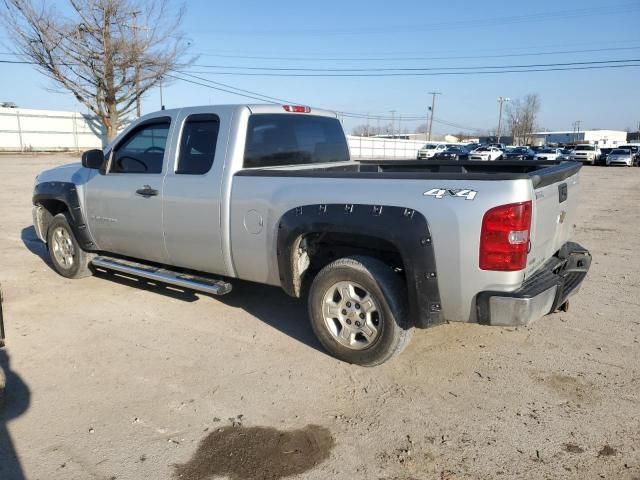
<point>199,197</point>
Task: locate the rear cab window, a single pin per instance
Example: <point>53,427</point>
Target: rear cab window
<point>291,139</point>
<point>198,144</point>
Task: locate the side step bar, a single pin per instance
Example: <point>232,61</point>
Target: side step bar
<point>156,274</point>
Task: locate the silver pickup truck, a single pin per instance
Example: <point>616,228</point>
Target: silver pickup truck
<point>198,197</point>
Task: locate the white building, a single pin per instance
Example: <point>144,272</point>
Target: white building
<point>601,138</point>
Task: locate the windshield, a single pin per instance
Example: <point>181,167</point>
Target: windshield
<point>620,151</point>
<point>483,149</point>
<point>546,150</point>
<point>589,148</point>
<point>430,146</point>
<point>518,150</point>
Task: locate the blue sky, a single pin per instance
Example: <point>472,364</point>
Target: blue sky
<point>345,34</point>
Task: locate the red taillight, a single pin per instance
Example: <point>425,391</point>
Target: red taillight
<point>296,109</point>
<point>504,240</point>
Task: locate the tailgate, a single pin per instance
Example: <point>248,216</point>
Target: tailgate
<point>554,210</point>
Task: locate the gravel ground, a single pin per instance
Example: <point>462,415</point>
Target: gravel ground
<point>108,379</point>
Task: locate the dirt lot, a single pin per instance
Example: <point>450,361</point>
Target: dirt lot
<point>109,380</point>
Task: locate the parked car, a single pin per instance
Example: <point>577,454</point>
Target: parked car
<point>453,153</point>
<point>548,154</point>
<point>519,153</point>
<point>585,153</point>
<point>634,149</point>
<point>500,146</point>
<point>621,156</point>
<point>431,149</point>
<point>486,153</point>
<point>604,152</point>
<point>198,197</point>
<point>565,154</point>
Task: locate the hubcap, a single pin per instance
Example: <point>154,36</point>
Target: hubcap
<point>351,315</point>
<point>62,246</point>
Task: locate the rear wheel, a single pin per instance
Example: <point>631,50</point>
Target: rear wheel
<point>68,259</point>
<point>358,311</point>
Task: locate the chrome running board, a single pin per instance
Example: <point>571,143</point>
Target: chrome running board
<point>156,274</point>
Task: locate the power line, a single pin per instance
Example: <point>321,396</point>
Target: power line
<point>413,69</point>
<point>398,57</point>
<point>261,97</point>
<point>521,69</point>
<point>432,71</point>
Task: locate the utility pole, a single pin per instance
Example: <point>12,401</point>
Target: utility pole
<point>161,102</point>
<point>576,127</point>
<point>367,124</point>
<point>501,101</point>
<point>136,54</point>
<point>393,122</point>
<point>433,110</point>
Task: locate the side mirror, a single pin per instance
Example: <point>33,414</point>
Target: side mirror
<point>93,159</point>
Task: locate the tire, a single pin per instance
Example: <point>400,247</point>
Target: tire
<point>371,282</point>
<point>67,258</point>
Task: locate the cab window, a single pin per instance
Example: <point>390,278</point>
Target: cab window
<point>198,144</point>
<point>142,151</point>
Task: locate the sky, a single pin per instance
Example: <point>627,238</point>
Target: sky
<point>401,34</point>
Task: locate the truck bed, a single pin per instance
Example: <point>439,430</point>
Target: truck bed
<point>541,173</point>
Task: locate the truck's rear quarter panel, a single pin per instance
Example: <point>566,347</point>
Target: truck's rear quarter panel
<point>454,222</point>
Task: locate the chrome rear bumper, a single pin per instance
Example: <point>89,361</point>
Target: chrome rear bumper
<point>541,294</point>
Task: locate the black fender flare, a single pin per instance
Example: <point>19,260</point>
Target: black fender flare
<point>406,229</point>
<point>66,193</point>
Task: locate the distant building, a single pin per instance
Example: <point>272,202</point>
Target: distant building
<point>435,137</point>
<point>633,137</point>
<point>601,138</point>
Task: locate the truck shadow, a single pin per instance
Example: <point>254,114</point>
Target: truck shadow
<point>34,245</point>
<point>268,304</point>
<point>14,401</point>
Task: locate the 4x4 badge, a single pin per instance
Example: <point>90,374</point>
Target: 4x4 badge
<point>451,192</point>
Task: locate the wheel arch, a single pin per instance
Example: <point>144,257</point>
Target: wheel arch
<point>52,198</point>
<point>312,236</point>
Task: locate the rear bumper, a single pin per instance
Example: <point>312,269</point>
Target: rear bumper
<point>540,294</point>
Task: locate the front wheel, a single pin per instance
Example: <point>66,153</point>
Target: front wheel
<point>358,310</point>
<point>68,259</point>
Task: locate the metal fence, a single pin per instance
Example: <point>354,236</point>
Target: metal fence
<point>25,130</point>
<point>383,148</point>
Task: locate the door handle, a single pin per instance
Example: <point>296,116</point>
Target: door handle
<point>147,191</point>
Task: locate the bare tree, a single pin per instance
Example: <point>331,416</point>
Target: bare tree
<point>522,116</point>
<point>371,130</point>
<point>107,53</point>
<point>422,128</point>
